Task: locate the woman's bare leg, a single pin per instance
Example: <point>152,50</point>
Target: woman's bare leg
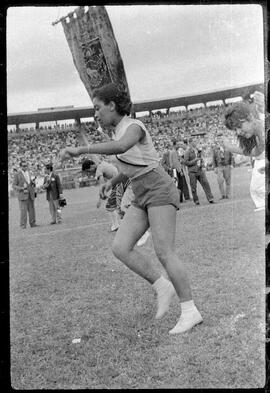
<point>162,221</point>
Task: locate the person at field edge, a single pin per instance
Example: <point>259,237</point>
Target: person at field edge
<point>106,171</point>
<point>222,164</point>
<point>155,205</point>
<point>176,164</point>
<point>183,146</point>
<point>24,184</point>
<point>126,201</point>
<point>166,161</point>
<point>52,185</point>
<point>249,129</point>
<point>196,171</point>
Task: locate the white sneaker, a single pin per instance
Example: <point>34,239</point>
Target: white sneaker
<point>164,298</point>
<point>143,239</point>
<point>187,321</point>
<point>114,228</point>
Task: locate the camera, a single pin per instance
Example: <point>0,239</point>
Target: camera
<point>62,202</point>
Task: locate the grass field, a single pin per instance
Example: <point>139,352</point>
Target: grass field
<point>66,284</point>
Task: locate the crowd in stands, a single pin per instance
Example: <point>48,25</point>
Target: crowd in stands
<point>203,123</point>
<point>43,145</point>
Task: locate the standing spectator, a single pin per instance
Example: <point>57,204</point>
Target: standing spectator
<point>166,161</point>
<point>182,178</point>
<point>196,172</point>
<point>24,183</point>
<point>222,163</point>
<point>54,192</point>
<point>181,152</point>
<point>106,171</point>
<point>177,166</point>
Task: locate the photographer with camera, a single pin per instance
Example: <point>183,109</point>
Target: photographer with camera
<point>54,194</point>
<point>24,184</point>
<point>196,171</point>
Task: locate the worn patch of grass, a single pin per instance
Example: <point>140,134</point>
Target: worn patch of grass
<point>66,284</point>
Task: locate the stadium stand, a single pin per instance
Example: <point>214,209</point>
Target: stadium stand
<point>43,145</point>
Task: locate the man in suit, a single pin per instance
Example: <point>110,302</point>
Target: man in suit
<point>222,163</point>
<point>54,192</point>
<point>24,184</point>
<point>183,146</point>
<point>166,160</point>
<point>196,172</point>
<point>177,166</point>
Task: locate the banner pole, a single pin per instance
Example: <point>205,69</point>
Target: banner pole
<point>59,20</point>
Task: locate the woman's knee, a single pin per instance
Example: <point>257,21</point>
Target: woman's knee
<point>120,250</point>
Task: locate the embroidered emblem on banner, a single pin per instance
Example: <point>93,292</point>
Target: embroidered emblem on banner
<point>96,65</point>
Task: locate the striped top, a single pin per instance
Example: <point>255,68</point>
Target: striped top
<point>140,158</point>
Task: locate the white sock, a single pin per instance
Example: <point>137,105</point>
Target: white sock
<point>160,283</point>
<point>188,306</point>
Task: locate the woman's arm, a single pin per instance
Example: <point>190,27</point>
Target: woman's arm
<point>259,135</point>
<point>232,148</point>
<point>131,137</point>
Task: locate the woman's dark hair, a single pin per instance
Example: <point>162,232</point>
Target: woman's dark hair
<point>233,120</point>
<point>112,92</point>
<point>247,144</point>
<point>235,113</point>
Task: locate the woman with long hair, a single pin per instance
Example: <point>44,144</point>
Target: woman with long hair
<point>155,205</point>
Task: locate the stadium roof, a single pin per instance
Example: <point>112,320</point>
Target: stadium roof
<point>57,114</point>
<point>200,93</point>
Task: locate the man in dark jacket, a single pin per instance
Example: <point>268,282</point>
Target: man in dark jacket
<point>196,171</point>
<point>222,163</point>
<point>166,161</point>
<point>53,187</point>
<point>176,164</point>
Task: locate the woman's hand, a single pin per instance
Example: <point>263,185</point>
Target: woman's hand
<point>67,153</point>
<point>104,189</point>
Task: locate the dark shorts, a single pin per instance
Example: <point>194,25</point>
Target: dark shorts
<point>155,188</point>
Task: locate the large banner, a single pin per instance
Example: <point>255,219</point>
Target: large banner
<point>94,48</point>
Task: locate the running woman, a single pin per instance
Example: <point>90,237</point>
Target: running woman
<point>155,205</point>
